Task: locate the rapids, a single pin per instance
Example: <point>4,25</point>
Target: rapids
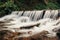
<point>31,21</point>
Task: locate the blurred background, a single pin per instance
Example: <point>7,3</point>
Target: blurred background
<point>7,6</point>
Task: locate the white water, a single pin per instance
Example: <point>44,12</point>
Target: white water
<point>38,15</point>
<point>51,14</point>
<point>47,14</point>
<point>25,20</point>
<point>20,13</point>
<point>26,13</point>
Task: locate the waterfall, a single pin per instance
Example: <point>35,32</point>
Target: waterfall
<point>34,15</point>
<point>14,13</point>
<point>47,14</point>
<point>29,14</point>
<point>55,14</point>
<point>51,14</point>
<point>26,13</point>
<point>34,21</point>
<point>20,13</point>
<point>58,13</point>
<point>38,15</point>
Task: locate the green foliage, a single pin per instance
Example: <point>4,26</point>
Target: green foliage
<point>52,6</point>
<point>7,6</point>
<point>40,6</point>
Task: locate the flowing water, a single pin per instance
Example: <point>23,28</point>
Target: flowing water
<point>51,14</point>
<point>34,21</point>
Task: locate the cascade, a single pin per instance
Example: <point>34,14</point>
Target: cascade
<point>30,23</point>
